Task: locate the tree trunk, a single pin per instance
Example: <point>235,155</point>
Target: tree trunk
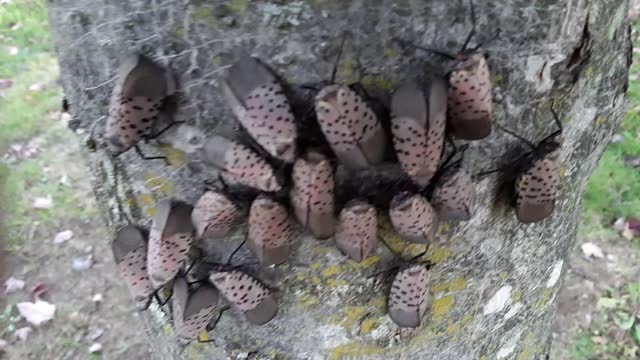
<point>494,284</point>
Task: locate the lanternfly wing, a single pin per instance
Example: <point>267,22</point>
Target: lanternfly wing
<point>135,102</point>
<point>312,194</point>
<point>240,163</point>
<point>454,196</point>
<point>270,231</point>
<point>418,127</point>
<point>408,297</point>
<point>214,215</point>
<point>170,240</point>
<point>412,217</point>
<point>193,311</point>
<point>537,186</point>
<point>470,99</point>
<point>130,253</point>
<point>259,103</point>
<point>356,232</point>
<point>350,126</point>
<point>247,294</point>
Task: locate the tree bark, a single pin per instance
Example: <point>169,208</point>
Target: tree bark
<point>495,281</point>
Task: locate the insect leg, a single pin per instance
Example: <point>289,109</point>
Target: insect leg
<point>143,156</point>
<point>156,135</point>
<point>529,143</point>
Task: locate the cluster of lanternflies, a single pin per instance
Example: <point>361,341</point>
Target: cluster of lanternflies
<point>419,113</point>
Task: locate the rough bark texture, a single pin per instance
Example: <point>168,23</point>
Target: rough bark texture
<point>495,282</point>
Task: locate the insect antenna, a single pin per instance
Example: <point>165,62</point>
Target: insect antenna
<point>434,51</point>
<point>337,61</point>
<point>557,132</point>
<point>473,28</point>
<point>237,249</point>
<point>529,143</point>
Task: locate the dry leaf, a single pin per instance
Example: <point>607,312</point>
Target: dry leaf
<point>42,202</point>
<point>5,83</point>
<point>97,298</point>
<point>36,87</point>
<point>3,345</point>
<point>13,50</point>
<point>591,250</point>
<point>620,224</point>
<point>63,236</point>
<point>23,333</point>
<point>95,348</point>
<point>82,263</point>
<point>12,285</point>
<point>37,313</point>
<point>39,290</point>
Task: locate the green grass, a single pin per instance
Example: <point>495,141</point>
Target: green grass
<point>31,37</point>
<point>24,114</point>
<point>614,188</point>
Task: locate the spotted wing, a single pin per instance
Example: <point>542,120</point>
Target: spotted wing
<point>454,196</point>
<point>193,311</point>
<point>470,100</point>
<point>412,217</point>
<point>270,231</point>
<point>350,126</point>
<point>169,245</point>
<point>312,194</point>
<point>130,254</point>
<point>247,294</point>
<point>139,93</point>
<point>240,163</point>
<point>418,127</point>
<point>214,215</point>
<point>408,296</point>
<point>356,231</point>
<point>260,104</point>
<point>537,188</point>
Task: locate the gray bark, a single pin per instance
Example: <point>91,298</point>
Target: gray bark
<point>495,282</point>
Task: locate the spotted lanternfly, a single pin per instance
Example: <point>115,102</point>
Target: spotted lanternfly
<point>247,294</point>
<point>258,101</point>
<point>130,253</point>
<point>470,103</point>
<point>412,217</point>
<point>418,118</point>
<point>469,97</point>
<point>408,296</point>
<point>356,231</point>
<point>192,310</point>
<point>537,186</point>
<point>454,196</point>
<point>270,231</point>
<point>170,239</point>
<point>312,194</point>
<point>537,179</point>
<point>214,215</point>
<point>240,164</point>
<point>350,126</point>
<point>136,102</point>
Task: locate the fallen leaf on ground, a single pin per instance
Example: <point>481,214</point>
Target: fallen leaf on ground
<point>608,303</point>
<point>39,290</point>
<point>620,224</point>
<point>37,313</point>
<point>95,334</point>
<point>16,26</point>
<point>13,50</point>
<point>591,250</point>
<point>617,138</point>
<point>97,298</point>
<point>95,347</point>
<point>599,340</point>
<point>3,345</point>
<point>12,285</point>
<point>5,83</point>
<point>23,333</point>
<point>36,87</point>
<point>82,263</point>
<point>63,236</point>
<point>42,202</point>
<point>633,161</point>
